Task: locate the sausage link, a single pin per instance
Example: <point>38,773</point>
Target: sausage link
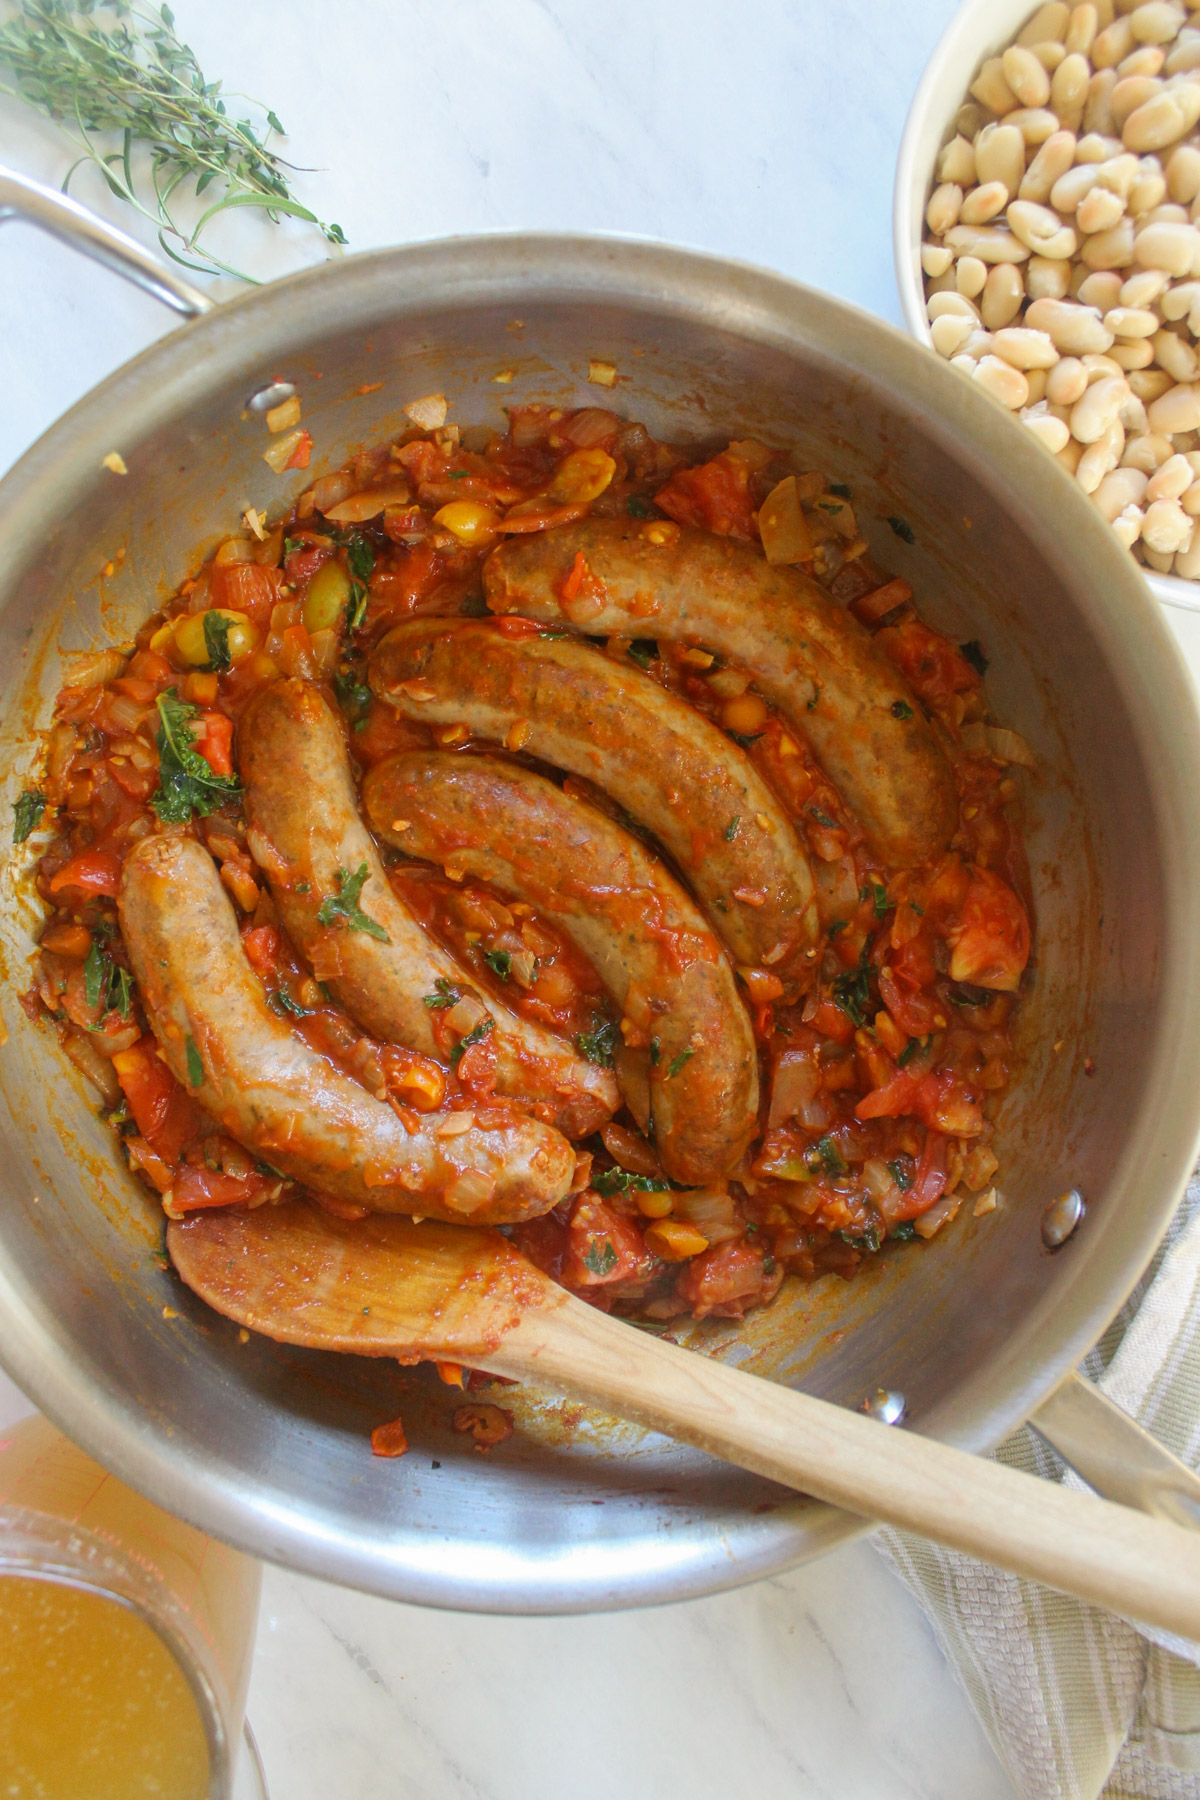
<point>809,658</point>
<point>643,935</point>
<point>281,1099</point>
<point>670,769</point>
<point>304,829</point>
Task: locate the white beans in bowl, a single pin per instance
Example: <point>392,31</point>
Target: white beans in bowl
<point>1048,246</point>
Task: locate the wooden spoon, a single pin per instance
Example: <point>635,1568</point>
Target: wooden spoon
<point>388,1287</point>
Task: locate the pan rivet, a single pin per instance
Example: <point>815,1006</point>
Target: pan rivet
<point>886,1405</point>
<point>267,397</point>
<point>1061,1217</point>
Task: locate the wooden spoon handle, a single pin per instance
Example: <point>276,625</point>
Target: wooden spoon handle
<point>1147,1569</point>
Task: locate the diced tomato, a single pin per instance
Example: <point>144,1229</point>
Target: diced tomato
<point>135,688</point>
<point>402,585</point>
<point>891,1101</point>
<point>300,455</point>
<point>91,872</point>
<point>603,1247</point>
<point>216,743</point>
<point>477,1067</point>
<point>167,1117</point>
<point>139,784</point>
<point>545,1241</point>
<point>193,1188</point>
<point>828,1018</point>
<point>725,1279</point>
<point>932,666</point>
<point>143,1157</point>
<point>714,497</point>
<point>384,733</point>
<point>301,565</point>
<point>991,939</point>
<point>247,587</point>
<point>262,948</point>
<point>914,1009</point>
<point>942,1101</point>
<point>149,666</point>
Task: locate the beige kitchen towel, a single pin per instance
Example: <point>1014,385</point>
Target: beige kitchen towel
<point>1077,1703</point>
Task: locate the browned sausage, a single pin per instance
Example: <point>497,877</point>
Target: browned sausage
<point>285,1102</point>
<point>304,830</point>
<point>808,657</point>
<point>666,765</point>
<point>643,935</point>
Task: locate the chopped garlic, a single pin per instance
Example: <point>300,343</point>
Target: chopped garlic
<point>429,412</point>
<point>116,462</point>
<point>601,374</point>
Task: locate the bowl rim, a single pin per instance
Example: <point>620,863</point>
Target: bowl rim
<point>968,25</point>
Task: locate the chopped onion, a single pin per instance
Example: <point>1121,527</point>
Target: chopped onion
<point>88,1060</point>
<point>795,1084</point>
<point>328,490</point>
<point>940,1213</point>
<point>94,668</point>
<point>429,412</point>
<point>1010,747</point>
<point>357,507</point>
<point>591,426</point>
<point>466,1014</point>
<point>783,526</point>
<point>279,453</point>
<point>710,1212</point>
<point>233,550</point>
<point>124,714</point>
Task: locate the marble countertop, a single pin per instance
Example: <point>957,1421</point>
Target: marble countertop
<point>768,134</point>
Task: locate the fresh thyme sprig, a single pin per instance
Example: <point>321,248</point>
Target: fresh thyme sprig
<point>116,69</point>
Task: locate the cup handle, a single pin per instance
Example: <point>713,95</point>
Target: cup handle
<point>64,218</point>
<point>1115,1455</point>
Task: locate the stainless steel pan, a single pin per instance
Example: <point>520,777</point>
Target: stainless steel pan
<point>266,1445</point>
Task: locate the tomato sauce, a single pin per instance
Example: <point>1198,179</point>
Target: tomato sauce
<point>880,1082</point>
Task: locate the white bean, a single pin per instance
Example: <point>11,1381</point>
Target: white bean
<point>1099,367</point>
<point>1167,246</point>
<point>1163,120</point>
<point>1100,457</point>
<point>978,344</point>
<point>1171,480</point>
<point>1069,90</point>
<point>1073,329</point>
<point>1147,59</point>
<point>1162,565</point>
<point>1147,451</point>
<point>1119,489</point>
<point>1066,382</point>
<point>1092,416</point>
<point>1098,147</point>
<point>1131,92</point>
<point>1050,432</point>
<point>1113,249</point>
<point>970,275</point>
<point>1001,299</point>
<point>1081,30</point>
<point>1149,384</point>
<point>1183,174</point>
<point>936,259</point>
<point>1190,500</point>
<point>1167,528</point>
<point>1036,379</point>
<point>951,303</point>
<point>945,203</point>
<point>1048,166</point>
<point>1176,410</point>
<point>1187,562</point>
<point>1025,349</point>
<point>1003,382</point>
<point>1041,229</point>
<point>1070,455</point>
<point>1157,22</point>
<point>1000,156</point>
<point>1179,300</point>
<point>1099,210</point>
<point>1128,526</point>
<point>1026,77</point>
<point>988,242</point>
<point>1132,353</point>
<point>1047,280</point>
<point>1131,322</point>
<point>991,89</point>
<point>1147,195</point>
<point>983,203</point>
<point>1036,123</point>
<point>957,162</point>
<point>949,333</point>
<point>1144,288</point>
<point>1174,354</point>
<point>1183,58</point>
<point>1069,190</point>
<point>1101,290</point>
<point>1048,24</point>
<point>1111,45</point>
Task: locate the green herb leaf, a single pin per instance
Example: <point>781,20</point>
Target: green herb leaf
<point>973,651</point>
<point>476,1035</point>
<point>901,710</point>
<point>909,1051</point>
<point>655,1052</point>
<point>904,1232</point>
<point>811,703</point>
<point>97,969</point>
<point>343,908</point>
<point>876,892</point>
<point>902,529</point>
<point>638,507</point>
<point>120,991</point>
<point>281,1002</point>
<point>623,1181</point>
<point>867,1240</point>
<point>644,651</point>
<point>852,990</point>
<point>499,962</point>
<point>963,994</point>
<point>901,1174</point>
<point>304,887</point>
<point>832,1160</point>
<point>356,607</point>
<point>600,1262</point>
<point>731,828</point>
<point>822,818</point>
<point>745,739</point>
<point>360,556</point>
<point>186,784</point>
<point>291,545</point>
<point>195,1066</point>
<point>447,995</point>
<point>353,696</point>
<point>27,813</point>
<point>216,641</point>
<point>837,925</point>
<point>598,1045</point>
<point>677,1062</point>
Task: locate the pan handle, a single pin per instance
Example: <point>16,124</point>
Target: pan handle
<point>1114,1455</point>
<point>64,218</point>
